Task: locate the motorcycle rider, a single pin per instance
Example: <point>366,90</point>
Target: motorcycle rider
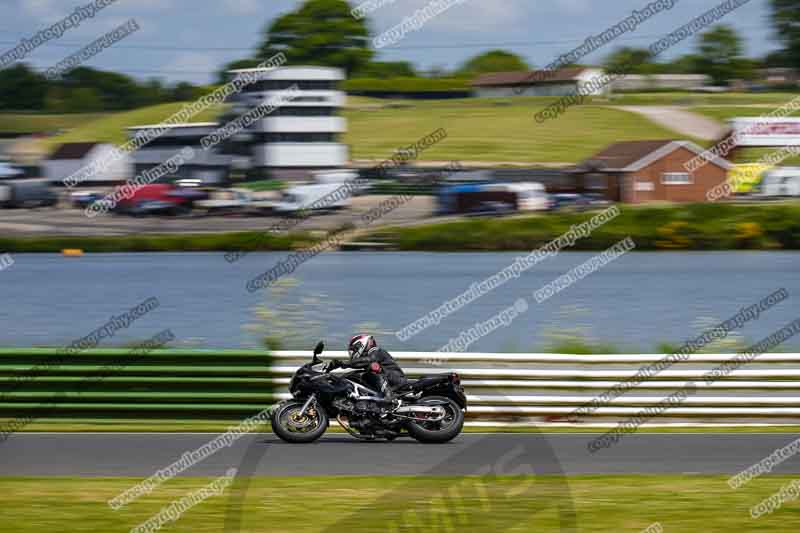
<point>364,351</point>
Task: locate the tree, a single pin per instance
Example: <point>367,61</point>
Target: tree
<point>720,50</point>
<point>222,75</point>
<point>83,100</point>
<point>387,70</point>
<point>785,18</point>
<point>493,61</point>
<point>320,32</point>
<point>685,64</point>
<point>22,88</point>
<point>630,61</point>
<point>117,91</point>
<point>183,92</point>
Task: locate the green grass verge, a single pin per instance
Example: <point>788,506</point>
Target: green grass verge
<point>688,227</point>
<point>263,185</point>
<point>601,503</point>
<point>35,122</point>
<point>239,241</point>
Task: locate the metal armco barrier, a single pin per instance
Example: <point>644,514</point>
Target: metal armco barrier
<point>535,388</point>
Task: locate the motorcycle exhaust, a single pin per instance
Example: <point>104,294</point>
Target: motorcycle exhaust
<point>412,410</point>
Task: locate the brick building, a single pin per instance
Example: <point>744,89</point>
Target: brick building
<point>649,171</point>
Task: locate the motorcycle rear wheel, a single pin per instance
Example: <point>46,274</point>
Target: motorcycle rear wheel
<point>290,427</point>
<point>438,432</point>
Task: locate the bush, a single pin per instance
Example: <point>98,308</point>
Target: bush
<point>405,85</point>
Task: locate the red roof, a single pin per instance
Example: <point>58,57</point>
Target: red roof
<point>73,150</point>
<point>623,154</point>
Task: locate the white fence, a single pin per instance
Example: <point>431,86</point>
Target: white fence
<point>509,389</point>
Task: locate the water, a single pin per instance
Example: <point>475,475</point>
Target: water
<point>635,303</point>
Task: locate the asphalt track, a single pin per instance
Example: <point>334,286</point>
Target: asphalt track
<point>141,454</point>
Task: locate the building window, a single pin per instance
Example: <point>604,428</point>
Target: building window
<point>676,178</point>
<point>645,186</point>
<point>597,182</point>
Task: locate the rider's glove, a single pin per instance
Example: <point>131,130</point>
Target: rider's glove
<point>333,365</point>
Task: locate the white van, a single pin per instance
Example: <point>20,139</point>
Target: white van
<point>320,197</point>
<point>781,181</point>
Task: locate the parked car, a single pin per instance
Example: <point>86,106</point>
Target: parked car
<point>83,199</point>
<point>9,171</point>
<point>155,192</point>
<point>26,193</point>
<point>580,202</point>
<point>157,207</point>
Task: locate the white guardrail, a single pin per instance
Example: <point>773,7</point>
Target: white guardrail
<point>520,389</point>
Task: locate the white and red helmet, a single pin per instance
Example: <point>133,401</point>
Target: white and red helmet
<point>360,345</point>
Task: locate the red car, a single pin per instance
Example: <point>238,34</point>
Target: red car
<point>161,194</point>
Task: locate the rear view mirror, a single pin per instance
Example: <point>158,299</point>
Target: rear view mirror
<point>318,350</point>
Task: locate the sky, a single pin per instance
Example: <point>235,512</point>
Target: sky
<point>191,39</point>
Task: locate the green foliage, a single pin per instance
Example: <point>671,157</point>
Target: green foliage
<point>405,85</point>
<point>22,88</point>
<point>493,61</point>
<point>263,185</point>
<point>83,89</point>
<point>630,60</point>
<point>319,32</point>
<point>785,17</point>
<point>247,241</point>
<point>222,74</point>
<point>387,70</point>
<point>663,228</point>
<point>720,55</point>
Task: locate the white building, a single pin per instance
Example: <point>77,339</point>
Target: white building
<point>71,157</point>
<point>208,166</point>
<point>561,82</point>
<point>302,135</point>
<point>678,82</point>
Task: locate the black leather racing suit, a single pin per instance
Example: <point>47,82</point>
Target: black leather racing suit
<point>391,376</point>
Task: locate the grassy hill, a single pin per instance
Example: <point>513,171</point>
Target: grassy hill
<point>496,130</point>
<point>111,128</point>
<point>35,122</point>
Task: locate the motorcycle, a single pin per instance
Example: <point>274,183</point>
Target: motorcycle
<point>430,409</point>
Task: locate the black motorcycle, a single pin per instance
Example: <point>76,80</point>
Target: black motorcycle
<point>430,409</point>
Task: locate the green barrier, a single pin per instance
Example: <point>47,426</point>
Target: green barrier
<point>120,383</point>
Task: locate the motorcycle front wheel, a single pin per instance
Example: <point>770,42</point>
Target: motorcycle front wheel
<point>439,431</point>
<point>291,427</point>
